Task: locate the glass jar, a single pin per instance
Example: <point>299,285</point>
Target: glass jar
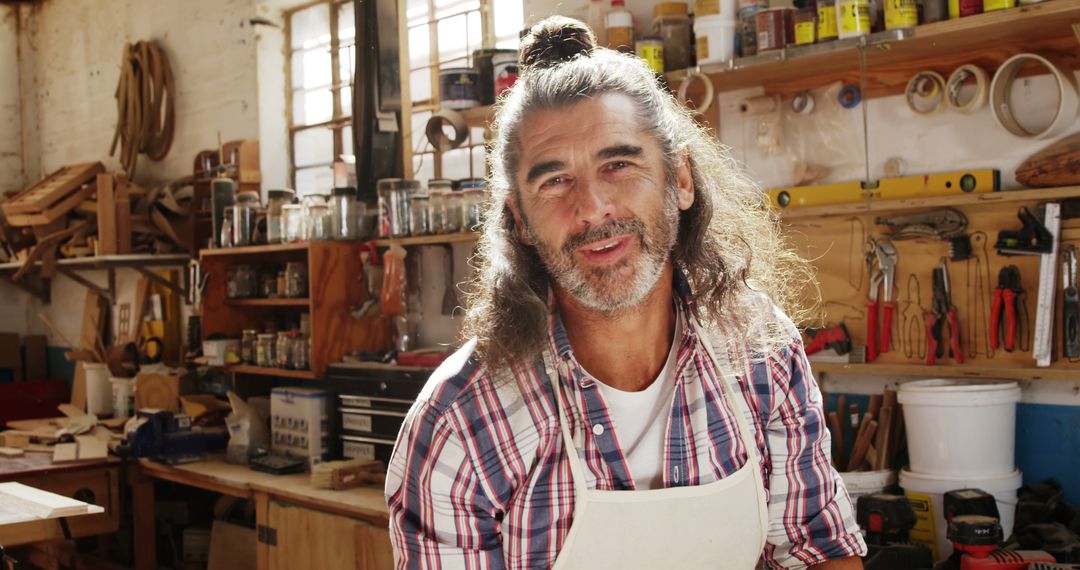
<point>437,211</point>
<point>671,22</point>
<point>394,195</point>
<point>242,282</point>
<point>226,237</point>
<point>276,200</point>
<point>320,223</point>
<point>268,283</point>
<point>264,350</point>
<point>247,346</point>
<point>296,279</point>
<point>455,211</point>
<point>420,215</point>
<point>301,352</point>
<point>472,204</point>
<point>293,223</point>
<point>283,350</point>
<point>343,209</point>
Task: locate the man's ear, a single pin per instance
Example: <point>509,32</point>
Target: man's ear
<point>684,182</point>
<point>519,224</point>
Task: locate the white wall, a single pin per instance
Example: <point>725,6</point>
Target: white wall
<point>273,122</point>
<point>11,172</point>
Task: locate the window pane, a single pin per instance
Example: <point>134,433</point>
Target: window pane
<point>346,61</point>
<point>311,107</point>
<point>420,85</point>
<point>478,169</point>
<point>444,8</point>
<point>419,46</point>
<point>451,42</point>
<point>346,23</point>
<point>475,32</point>
<point>423,166</point>
<point>416,11</point>
<point>509,20</point>
<point>420,142</point>
<point>310,27</point>
<point>346,101</point>
<point>311,68</point>
<point>455,164</point>
<point>346,141</point>
<point>313,146</point>
<point>315,180</point>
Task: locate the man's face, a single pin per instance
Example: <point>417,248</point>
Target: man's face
<point>596,202</point>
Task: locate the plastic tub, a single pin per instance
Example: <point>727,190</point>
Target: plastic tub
<point>861,483</point>
<point>960,428</point>
<point>715,39</point>
<point>927,492</point>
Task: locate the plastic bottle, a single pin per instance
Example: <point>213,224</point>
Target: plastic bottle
<point>598,10</point>
<point>620,27</point>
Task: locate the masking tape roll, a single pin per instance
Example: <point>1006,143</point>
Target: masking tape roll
<point>802,103</point>
<point>925,92</point>
<point>956,81</point>
<point>1001,89</point>
<point>849,97</point>
<point>684,87</point>
<point>437,136</point>
<point>759,105</point>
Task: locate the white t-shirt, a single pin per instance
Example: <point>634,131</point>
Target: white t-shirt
<point>640,420</point>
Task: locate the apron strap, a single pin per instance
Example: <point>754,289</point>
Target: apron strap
<point>577,470</point>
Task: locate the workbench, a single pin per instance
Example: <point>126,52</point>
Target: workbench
<point>297,525</point>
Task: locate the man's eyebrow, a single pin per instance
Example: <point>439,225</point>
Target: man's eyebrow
<point>619,150</point>
<point>542,169</point>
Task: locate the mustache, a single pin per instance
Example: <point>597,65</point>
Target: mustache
<point>610,229</point>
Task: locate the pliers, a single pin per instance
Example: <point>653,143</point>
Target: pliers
<point>884,254</point>
<point>1005,300</point>
<point>943,311</point>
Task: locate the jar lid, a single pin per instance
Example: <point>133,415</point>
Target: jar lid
<point>266,336</point>
<point>440,182</point>
<point>397,184</point>
<point>344,191</point>
<point>419,197</point>
<point>671,9</point>
<point>250,331</point>
<point>281,193</point>
<point>471,183</point>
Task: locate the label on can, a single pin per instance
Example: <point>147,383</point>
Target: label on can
<point>954,9</point>
<point>924,532</point>
<point>706,8</point>
<point>653,54</point>
<point>826,22</point>
<point>901,14</point>
<point>970,7</point>
<point>804,33</point>
<point>991,5</point>
<point>854,17</point>
<point>703,48</point>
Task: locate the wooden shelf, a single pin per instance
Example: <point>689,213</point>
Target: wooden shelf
<point>882,206</point>
<point>280,372</point>
<point>429,240</point>
<point>479,116</point>
<point>894,56</point>
<point>281,302</point>
<point>958,371</point>
<point>255,249</point>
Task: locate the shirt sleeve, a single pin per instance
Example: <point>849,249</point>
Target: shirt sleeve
<point>439,515</point>
<point>811,517</point>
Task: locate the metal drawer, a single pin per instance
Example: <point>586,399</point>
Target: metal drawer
<point>366,421</point>
<point>358,447</point>
<point>375,402</point>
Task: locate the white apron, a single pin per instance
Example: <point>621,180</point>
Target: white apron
<point>717,525</point>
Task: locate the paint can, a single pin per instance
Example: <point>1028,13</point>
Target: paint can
<point>746,31</point>
<point>901,14</point>
<point>651,49</point>
<point>773,27</point>
<point>964,8</point>
<point>805,24</point>
<point>481,59</point>
<point>852,18</point>
<point>459,88</point>
<point>715,39</point>
<point>505,67</point>
<point>756,5</point>
<point>826,20</point>
<point>992,5</point>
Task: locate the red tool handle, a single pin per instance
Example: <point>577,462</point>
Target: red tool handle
<point>1010,319</point>
<point>886,325</point>
<point>931,342</point>
<point>871,331</point>
<point>954,336</point>
<point>995,318</point>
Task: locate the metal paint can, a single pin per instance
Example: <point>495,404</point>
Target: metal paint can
<point>773,27</point>
<point>505,69</point>
<point>651,49</point>
<point>459,88</point>
<point>901,14</point>
<point>826,20</point>
<point>746,31</point>
<point>805,24</point>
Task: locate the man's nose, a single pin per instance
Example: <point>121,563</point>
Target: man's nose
<point>595,202</point>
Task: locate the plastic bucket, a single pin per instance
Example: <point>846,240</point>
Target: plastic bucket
<point>861,483</point>
<point>960,428</point>
<point>927,493</point>
<point>98,389</point>
<point>715,39</point>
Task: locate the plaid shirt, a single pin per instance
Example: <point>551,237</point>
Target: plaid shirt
<point>480,477</point>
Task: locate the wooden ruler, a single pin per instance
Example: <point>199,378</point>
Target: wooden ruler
<point>1043,346</point>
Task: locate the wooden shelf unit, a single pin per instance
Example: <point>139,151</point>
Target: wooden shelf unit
<point>959,371</point>
<point>333,269</point>
<point>892,57</point>
<point>460,237</point>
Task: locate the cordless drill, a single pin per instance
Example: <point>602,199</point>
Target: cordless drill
<point>887,521</point>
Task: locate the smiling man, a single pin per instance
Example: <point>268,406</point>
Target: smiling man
<point>632,393</point>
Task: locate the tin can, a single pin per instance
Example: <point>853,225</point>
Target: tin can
<point>992,5</point>
<point>901,14</point>
<point>805,24</point>
<point>852,18</point>
<point>459,88</point>
<point>756,5</point>
<point>826,20</point>
<point>651,49</point>
<point>773,27</point>
<point>969,7</point>
<point>746,31</point>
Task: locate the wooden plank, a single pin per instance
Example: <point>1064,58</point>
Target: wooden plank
<point>10,452</point>
<point>253,249</point>
<point>56,212</point>
<point>78,386</point>
<point>95,315</point>
<point>123,215</point>
<point>41,504</point>
<point>91,447</point>
<point>945,371</point>
<point>159,391</point>
<point>53,188</point>
<point>65,452</point>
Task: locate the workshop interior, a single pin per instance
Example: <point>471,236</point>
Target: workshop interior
<point>236,240</point>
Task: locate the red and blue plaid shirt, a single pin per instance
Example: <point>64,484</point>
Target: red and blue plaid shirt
<point>480,477</point>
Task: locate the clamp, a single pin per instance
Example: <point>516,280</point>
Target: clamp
<point>884,254</point>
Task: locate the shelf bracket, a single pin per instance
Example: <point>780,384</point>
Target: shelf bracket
<point>179,289</point>
<point>109,293</point>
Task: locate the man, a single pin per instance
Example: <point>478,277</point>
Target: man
<point>632,395</point>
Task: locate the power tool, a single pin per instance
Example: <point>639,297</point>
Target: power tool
<point>836,338</point>
<point>976,540</point>
<point>887,521</point>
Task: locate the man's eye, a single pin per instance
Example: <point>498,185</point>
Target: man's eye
<point>555,181</point>
<point>618,165</point>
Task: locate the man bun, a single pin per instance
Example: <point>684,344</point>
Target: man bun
<point>555,40</point>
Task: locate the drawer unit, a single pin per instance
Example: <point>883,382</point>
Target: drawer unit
<point>360,447</point>
<point>372,422</point>
<point>372,404</point>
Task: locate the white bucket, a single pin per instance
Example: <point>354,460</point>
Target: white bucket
<point>861,483</point>
<point>715,38</point>
<point>927,496</point>
<point>98,390</point>
<point>121,396</point>
<point>959,427</point>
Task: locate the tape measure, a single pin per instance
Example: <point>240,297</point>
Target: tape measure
<point>1042,348</point>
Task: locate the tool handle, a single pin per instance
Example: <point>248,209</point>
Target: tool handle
<point>871,331</point>
<point>995,318</point>
<point>1070,321</point>
<point>931,340</point>
<point>886,325</point>
<point>954,336</point>
<point>1009,299</point>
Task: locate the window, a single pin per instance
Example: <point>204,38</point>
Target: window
<point>320,39</point>
<point>444,34</point>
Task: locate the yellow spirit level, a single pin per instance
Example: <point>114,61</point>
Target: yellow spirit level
<point>958,182</point>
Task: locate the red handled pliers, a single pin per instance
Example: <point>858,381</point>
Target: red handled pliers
<point>884,255</point>
<point>1005,301</point>
<point>942,312</point>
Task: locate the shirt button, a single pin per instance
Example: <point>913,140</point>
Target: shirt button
<point>598,429</point>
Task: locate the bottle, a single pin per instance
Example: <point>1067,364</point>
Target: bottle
<point>620,27</point>
<point>597,20</point>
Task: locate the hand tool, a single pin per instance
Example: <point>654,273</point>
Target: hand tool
<point>1031,239</point>
<point>941,224</point>
<point>914,186</point>
<point>836,338</point>
<point>1070,320</point>
<point>1005,301</point>
<point>884,254</point>
<point>942,312</point>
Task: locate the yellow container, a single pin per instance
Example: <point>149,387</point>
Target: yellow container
<point>651,49</point>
